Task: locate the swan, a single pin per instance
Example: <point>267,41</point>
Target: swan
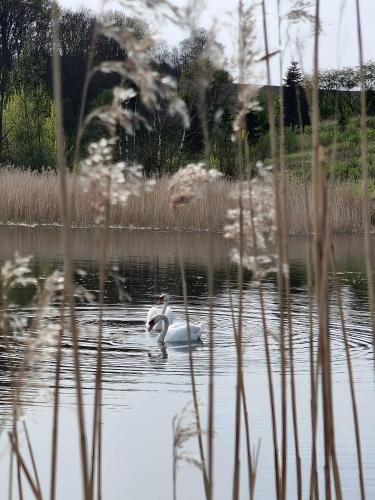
<point>177,332</point>
<point>167,311</point>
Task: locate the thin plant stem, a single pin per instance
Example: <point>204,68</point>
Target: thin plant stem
<point>10,478</point>
<point>19,467</point>
<point>251,470</point>
<point>285,266</point>
<point>281,261</point>
<point>281,96</point>
<point>23,468</point>
<point>321,236</point>
<point>238,331</point>
<point>351,376</point>
<point>14,384</point>
<point>321,263</point>
<point>68,288</point>
<point>174,459</point>
<point>202,98</point>
<point>32,457</point>
<point>365,182</point>
<point>192,375</point>
<point>268,359</point>
<point>97,425</point>
<point>320,255</point>
<point>55,424</point>
<point>238,336</point>
<point>314,482</point>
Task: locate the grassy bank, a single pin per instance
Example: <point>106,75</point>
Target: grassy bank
<point>342,147</point>
<point>32,198</point>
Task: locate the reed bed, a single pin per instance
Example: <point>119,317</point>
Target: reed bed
<point>29,197</point>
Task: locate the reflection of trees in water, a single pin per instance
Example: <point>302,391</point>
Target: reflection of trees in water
<point>352,276</point>
<point>141,279</point>
<point>147,278</point>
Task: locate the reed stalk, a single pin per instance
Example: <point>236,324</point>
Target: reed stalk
<point>192,378</point>
<point>314,480</point>
<point>281,262</point>
<point>250,463</point>
<point>23,467</point>
<point>56,402</point>
<point>319,221</point>
<point>365,181</point>
<point>10,477</point>
<point>19,464</point>
<point>14,385</point>
<point>66,235</point>
<point>351,376</point>
<point>238,339</point>
<point>32,457</point>
<point>202,85</point>
<point>321,264</point>
<point>211,386</point>
<point>96,452</point>
<point>271,391</point>
<point>285,265</point>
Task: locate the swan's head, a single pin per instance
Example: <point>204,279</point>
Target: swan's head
<point>150,325</point>
<point>164,298</point>
<point>152,322</point>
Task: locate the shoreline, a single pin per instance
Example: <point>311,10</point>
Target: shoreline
<point>160,229</point>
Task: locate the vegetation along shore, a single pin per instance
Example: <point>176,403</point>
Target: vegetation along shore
<point>31,197</point>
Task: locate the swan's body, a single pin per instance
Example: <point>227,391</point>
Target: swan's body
<point>176,332</point>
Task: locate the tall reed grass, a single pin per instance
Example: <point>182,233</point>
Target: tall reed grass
<point>28,197</point>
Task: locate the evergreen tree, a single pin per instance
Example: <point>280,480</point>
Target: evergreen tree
<point>296,109</point>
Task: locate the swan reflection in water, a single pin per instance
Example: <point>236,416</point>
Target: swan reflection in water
<point>159,355</point>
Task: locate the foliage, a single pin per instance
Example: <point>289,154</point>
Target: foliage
<point>29,124</point>
<point>22,24</point>
<point>296,110</point>
<point>26,118</point>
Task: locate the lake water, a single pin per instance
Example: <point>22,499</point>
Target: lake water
<point>144,389</point>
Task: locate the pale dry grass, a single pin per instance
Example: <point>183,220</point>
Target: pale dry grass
<point>32,198</point>
<point>344,208</point>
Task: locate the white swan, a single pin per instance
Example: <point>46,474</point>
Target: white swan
<point>166,310</point>
<point>177,332</point>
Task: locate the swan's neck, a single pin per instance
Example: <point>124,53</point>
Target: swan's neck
<point>165,321</point>
<point>165,305</point>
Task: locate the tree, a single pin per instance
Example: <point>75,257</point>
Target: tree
<point>369,71</point>
<point>78,30</point>
<point>296,110</point>
<point>29,123</point>
<point>20,23</point>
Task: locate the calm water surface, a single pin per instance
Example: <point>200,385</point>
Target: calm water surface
<point>144,387</point>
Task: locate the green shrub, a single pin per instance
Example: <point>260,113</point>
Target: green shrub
<point>29,123</point>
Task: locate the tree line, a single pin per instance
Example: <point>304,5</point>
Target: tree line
<point>27,116</point>
<point>26,106</point>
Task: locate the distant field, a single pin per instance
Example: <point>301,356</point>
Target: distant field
<point>32,198</point>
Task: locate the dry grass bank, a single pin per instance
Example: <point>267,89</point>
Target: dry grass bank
<point>344,202</point>
<point>32,198</point>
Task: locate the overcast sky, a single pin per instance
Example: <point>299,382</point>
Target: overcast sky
<point>338,43</point>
